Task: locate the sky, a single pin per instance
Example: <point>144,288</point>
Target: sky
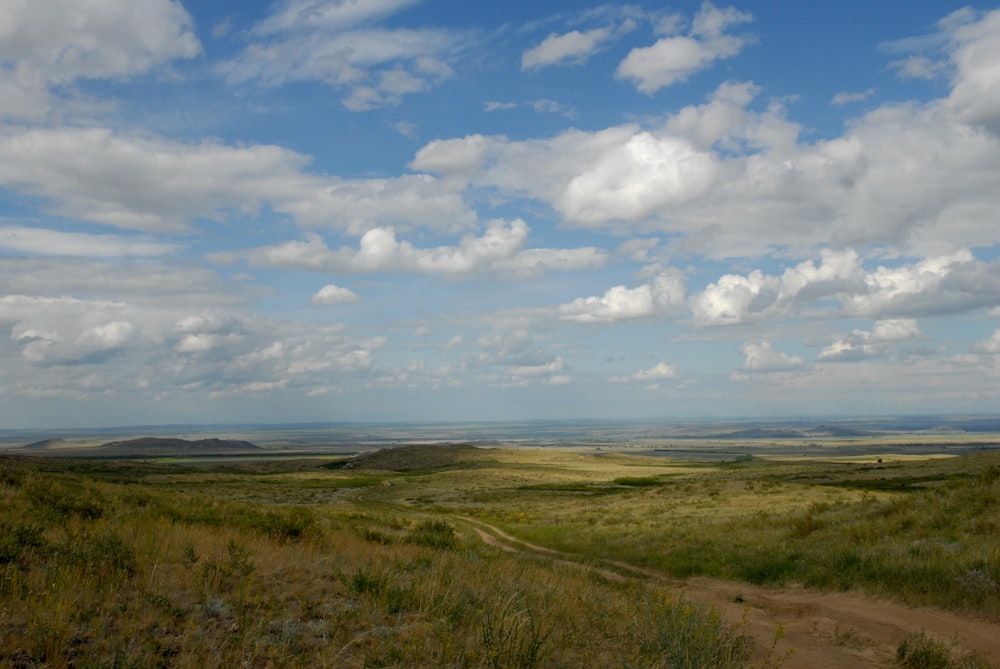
<point>442,210</point>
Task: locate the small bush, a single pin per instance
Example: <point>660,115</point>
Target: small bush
<point>16,540</point>
<point>919,651</point>
<point>512,634</point>
<point>433,534</point>
<point>680,634</point>
<point>366,582</point>
<point>288,524</point>
<point>638,481</point>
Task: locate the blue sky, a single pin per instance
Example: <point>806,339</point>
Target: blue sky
<point>317,210</point>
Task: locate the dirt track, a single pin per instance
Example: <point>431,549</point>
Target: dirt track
<point>822,630</point>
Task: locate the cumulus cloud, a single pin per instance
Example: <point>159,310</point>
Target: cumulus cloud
<point>331,294</point>
<point>953,283</point>
<point>631,182</point>
<point>662,296</point>
<point>674,58</point>
<point>546,371</point>
<point>974,51</point>
<point>863,345</point>
<point>500,250</point>
<point>574,47</point>
<point>454,157</point>
<point>724,180</point>
<point>760,357</point>
<point>658,372</point>
<point>340,44</point>
<point>66,331</point>
<point>143,183</point>
<point>156,185</point>
<point>57,43</point>
<point>990,346</point>
<point>734,299</point>
<point>938,285</point>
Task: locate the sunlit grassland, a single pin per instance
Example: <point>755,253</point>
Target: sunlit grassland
<point>112,564</point>
<point>924,531</point>
<point>320,562</point>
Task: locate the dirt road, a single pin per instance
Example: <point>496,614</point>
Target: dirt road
<point>818,630</point>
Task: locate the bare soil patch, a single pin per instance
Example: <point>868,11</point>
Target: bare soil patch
<point>814,630</point>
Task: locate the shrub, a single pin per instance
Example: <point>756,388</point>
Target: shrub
<point>16,540</point>
<point>433,534</point>
<point>288,524</point>
<point>919,651</point>
<point>681,634</point>
<point>512,634</point>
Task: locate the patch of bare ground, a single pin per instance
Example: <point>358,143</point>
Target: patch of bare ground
<point>840,630</point>
<point>808,628</point>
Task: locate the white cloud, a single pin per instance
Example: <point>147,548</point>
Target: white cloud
<point>66,331</point>
<point>340,45</point>
<point>919,67</point>
<point>142,183</point>
<point>157,185</point>
<point>56,243</point>
<point>331,294</point>
<point>56,43</point>
<point>863,345</point>
<point>846,98</point>
<point>454,157</point>
<point>494,105</point>
<point>145,281</point>
<point>659,371</point>
<point>570,48</point>
<point>359,205</point>
<point>975,52</point>
<point>990,346</point>
<point>759,357</point>
<point>727,181</point>
<point>938,285</point>
<point>631,182</point>
<point>734,299</point>
<point>309,14</point>
<point>527,371</point>
<point>500,250</point>
<point>673,59</point>
<point>660,297</point>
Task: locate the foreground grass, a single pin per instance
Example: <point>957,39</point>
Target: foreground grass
<point>313,564</point>
<point>106,566</point>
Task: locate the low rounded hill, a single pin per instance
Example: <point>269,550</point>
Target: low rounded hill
<point>417,457</point>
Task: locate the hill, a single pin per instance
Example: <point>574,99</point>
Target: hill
<point>411,458</point>
<point>47,444</point>
<point>166,446</point>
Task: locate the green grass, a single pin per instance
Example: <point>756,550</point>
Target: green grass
<point>298,564</point>
<point>157,572</point>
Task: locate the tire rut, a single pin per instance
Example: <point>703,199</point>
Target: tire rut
<point>794,626</point>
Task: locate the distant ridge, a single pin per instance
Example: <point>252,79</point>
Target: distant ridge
<point>168,442</point>
<point>424,457</point>
<point>837,431</point>
<point>47,444</point>
<point>173,446</point>
<point>759,433</point>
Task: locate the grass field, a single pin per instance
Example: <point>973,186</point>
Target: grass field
<point>370,562</point>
